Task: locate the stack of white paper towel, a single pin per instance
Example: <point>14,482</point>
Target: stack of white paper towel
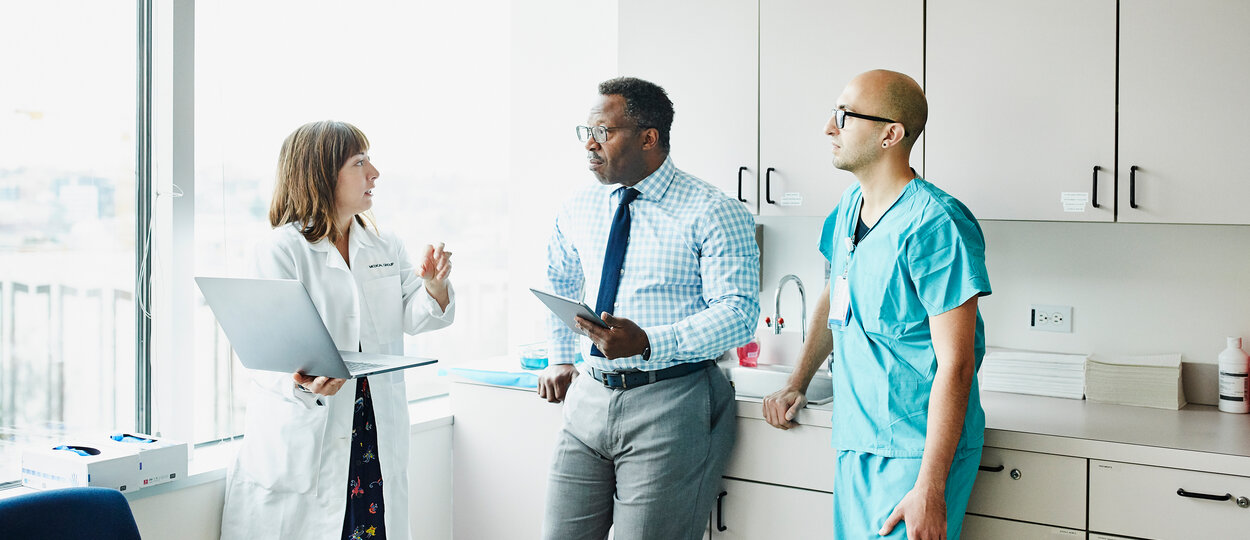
<point>1042,374</point>
<point>1145,381</point>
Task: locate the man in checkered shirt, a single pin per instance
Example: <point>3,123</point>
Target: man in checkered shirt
<point>673,269</point>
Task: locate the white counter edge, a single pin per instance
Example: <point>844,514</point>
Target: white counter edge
<point>210,463</point>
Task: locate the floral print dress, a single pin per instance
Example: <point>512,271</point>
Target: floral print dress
<point>363,519</point>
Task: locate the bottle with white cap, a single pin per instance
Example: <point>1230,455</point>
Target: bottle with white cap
<point>1234,379</point>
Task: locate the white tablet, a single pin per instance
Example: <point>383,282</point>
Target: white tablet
<point>568,309</point>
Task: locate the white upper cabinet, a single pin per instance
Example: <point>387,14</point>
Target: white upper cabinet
<point>753,85</point>
<point>809,50</point>
<point>1022,107</point>
<point>1184,109</point>
<point>1022,100</point>
<point>705,53</point>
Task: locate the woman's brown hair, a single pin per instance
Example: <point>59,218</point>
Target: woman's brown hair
<point>308,172</point>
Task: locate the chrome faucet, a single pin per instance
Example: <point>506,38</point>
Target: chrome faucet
<point>777,322</point>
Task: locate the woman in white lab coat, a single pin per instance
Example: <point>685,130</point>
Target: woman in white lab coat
<point>316,450</point>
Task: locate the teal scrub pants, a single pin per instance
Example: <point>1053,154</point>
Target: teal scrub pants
<point>867,487</point>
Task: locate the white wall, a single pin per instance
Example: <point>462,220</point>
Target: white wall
<point>193,513</point>
<point>561,50</point>
<point>789,247</point>
<point>1134,289</point>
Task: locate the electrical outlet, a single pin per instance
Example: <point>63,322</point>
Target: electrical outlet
<point>1049,318</point>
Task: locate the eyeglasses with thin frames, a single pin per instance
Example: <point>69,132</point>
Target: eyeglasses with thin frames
<point>600,133</point>
<point>839,119</point>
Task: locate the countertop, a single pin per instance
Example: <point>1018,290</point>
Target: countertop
<point>1197,437</point>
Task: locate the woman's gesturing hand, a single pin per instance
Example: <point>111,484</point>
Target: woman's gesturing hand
<point>435,268</point>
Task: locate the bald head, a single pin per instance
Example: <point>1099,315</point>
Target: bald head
<point>895,96</point>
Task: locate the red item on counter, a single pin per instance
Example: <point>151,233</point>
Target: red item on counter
<point>749,354</point>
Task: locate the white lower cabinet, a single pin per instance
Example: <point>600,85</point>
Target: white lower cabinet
<point>1167,504</point>
<point>754,511</point>
<point>1028,486</point>
<point>988,528</point>
<point>797,457</point>
<point>503,442</point>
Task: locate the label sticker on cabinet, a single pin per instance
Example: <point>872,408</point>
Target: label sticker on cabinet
<point>792,198</point>
<point>1074,201</point>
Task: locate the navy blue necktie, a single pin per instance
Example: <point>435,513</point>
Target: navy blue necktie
<point>613,259</point>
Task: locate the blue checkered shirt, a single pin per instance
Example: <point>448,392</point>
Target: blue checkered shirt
<point>690,277</point>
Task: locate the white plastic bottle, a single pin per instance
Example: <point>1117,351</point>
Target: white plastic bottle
<point>1234,379</point>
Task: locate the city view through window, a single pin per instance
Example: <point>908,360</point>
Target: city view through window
<point>67,221</point>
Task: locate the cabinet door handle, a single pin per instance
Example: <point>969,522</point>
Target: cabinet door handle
<point>1132,186</point>
<point>1206,496</point>
<point>768,186</point>
<point>720,513</point>
<point>992,469</point>
<point>740,171</point>
<point>1095,190</point>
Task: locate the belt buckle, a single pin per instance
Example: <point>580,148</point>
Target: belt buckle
<point>606,375</point>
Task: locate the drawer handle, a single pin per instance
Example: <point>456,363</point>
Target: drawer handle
<point>999,468</point>
<point>1205,496</point>
<point>720,514</point>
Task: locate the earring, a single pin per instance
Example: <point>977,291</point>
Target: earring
<point>885,144</point>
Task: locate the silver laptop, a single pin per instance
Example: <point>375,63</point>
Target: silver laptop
<point>274,326</point>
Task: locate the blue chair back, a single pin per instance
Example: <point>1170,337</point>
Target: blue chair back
<point>72,513</point>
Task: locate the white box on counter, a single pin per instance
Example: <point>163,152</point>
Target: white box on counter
<point>160,460</point>
<point>79,464</point>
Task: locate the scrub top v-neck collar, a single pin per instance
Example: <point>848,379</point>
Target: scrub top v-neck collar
<point>858,230</point>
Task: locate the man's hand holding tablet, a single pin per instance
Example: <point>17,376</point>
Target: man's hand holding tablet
<point>568,310</point>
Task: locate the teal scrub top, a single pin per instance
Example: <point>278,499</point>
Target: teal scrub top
<point>924,257</point>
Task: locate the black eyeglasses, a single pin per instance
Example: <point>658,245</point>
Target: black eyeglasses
<point>839,119</point>
<point>600,133</point>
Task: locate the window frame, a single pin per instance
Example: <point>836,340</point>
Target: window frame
<point>143,219</point>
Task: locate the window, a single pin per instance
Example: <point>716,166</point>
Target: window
<point>428,84</point>
<point>67,221</point>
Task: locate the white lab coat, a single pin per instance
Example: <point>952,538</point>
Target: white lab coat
<point>290,477</point>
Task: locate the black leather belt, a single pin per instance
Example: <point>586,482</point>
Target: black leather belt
<point>633,378</point>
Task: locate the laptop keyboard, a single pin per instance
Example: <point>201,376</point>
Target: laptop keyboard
<point>359,367</point>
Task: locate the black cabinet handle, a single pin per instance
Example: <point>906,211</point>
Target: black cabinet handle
<point>720,513</point>
<point>1132,186</point>
<point>1095,204</point>
<point>992,469</point>
<point>740,171</point>
<point>1209,497</point>
<point>768,186</point>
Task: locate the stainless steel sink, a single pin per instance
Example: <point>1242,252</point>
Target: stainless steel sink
<point>758,382</point>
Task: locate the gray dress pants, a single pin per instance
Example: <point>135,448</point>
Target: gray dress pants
<point>647,460</point>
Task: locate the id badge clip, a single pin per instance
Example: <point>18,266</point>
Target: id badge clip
<point>840,302</point>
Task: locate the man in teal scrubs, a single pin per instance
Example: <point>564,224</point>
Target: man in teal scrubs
<point>907,264</point>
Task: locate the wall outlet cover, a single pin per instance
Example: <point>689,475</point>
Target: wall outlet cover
<point>1050,318</point>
